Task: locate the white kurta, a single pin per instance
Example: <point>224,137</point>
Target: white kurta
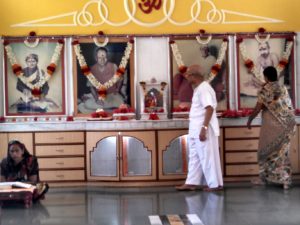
<point>204,157</point>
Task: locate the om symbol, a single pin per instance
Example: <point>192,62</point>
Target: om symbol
<point>147,5</point>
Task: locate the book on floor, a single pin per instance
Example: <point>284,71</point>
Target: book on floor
<point>15,184</point>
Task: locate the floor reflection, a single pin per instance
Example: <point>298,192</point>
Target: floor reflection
<point>133,206</point>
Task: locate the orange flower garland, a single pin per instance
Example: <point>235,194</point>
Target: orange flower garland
<point>215,68</point>
<point>17,69</point>
<point>102,88</point>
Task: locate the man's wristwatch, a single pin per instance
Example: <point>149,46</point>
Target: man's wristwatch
<point>205,127</point>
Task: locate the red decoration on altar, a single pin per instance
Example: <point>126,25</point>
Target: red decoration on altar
<point>147,5</point>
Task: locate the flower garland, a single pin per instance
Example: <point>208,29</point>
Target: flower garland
<point>33,44</point>
<point>17,69</point>
<point>124,112</point>
<point>100,113</point>
<point>102,88</point>
<point>103,44</point>
<point>261,41</point>
<point>214,69</point>
<point>204,42</point>
<point>236,113</point>
<point>251,65</point>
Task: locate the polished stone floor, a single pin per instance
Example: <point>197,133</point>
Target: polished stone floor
<point>238,204</point>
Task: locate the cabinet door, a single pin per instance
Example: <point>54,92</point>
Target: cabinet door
<point>102,156</point>
<point>138,155</point>
<point>173,154</point>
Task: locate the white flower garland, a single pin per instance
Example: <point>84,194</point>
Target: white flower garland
<point>203,42</point>
<point>259,40</point>
<point>33,44</point>
<point>103,44</point>
<point>215,67</point>
<point>27,80</point>
<point>177,55</point>
<point>92,79</point>
<point>253,69</point>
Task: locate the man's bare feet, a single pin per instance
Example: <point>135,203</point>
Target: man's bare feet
<point>186,187</point>
<point>220,188</point>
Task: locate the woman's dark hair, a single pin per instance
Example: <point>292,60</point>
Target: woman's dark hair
<point>271,73</point>
<point>21,145</point>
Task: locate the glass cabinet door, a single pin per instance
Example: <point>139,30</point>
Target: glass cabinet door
<point>115,156</point>
<point>173,154</point>
<point>136,159</point>
<point>104,158</point>
<point>175,158</point>
<point>138,155</point>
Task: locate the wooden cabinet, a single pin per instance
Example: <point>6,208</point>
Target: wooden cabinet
<point>116,156</point>
<point>241,151</point>
<point>147,156</point>
<point>241,146</point>
<point>173,154</point>
<point>294,152</point>
<point>61,155</point>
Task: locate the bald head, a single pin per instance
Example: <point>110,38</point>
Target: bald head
<point>195,71</point>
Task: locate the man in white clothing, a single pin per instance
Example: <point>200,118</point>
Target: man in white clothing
<point>204,159</point>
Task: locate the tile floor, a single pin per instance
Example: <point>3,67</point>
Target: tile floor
<point>237,205</point>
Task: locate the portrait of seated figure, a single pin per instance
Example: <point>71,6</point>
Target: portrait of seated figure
<point>34,90</point>
<point>103,62</point>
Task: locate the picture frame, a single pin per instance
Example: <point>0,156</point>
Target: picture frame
<point>85,102</point>
<point>263,50</point>
<point>35,57</point>
<point>190,50</point>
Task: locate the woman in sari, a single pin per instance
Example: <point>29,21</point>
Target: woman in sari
<point>20,165</point>
<point>278,127</point>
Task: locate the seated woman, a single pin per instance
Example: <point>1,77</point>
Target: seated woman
<point>20,165</point>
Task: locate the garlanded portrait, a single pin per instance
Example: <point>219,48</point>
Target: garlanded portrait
<point>103,74</point>
<point>211,54</point>
<point>34,77</point>
<point>257,52</point>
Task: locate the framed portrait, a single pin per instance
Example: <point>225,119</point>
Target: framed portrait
<point>103,62</point>
<point>34,77</point>
<point>255,52</point>
<point>204,54</point>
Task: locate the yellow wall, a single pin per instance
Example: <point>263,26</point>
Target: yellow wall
<point>280,15</point>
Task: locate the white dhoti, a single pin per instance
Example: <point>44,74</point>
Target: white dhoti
<point>204,161</point>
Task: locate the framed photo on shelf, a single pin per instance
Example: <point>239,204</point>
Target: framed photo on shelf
<point>34,77</point>
<point>205,53</point>
<point>103,58</point>
<point>255,52</point>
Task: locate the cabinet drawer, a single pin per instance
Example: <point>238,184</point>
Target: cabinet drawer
<point>59,137</point>
<point>241,157</point>
<point>60,163</point>
<point>59,150</point>
<point>242,132</point>
<point>236,145</point>
<point>235,170</point>
<point>62,175</point>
